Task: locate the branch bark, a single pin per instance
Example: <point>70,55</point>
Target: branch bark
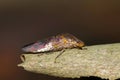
<point>97,60</point>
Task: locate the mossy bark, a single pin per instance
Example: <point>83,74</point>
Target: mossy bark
<point>97,60</point>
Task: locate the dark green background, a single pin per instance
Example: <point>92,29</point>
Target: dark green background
<point>22,22</point>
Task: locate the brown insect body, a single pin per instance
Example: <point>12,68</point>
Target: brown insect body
<point>55,43</point>
<point>66,41</point>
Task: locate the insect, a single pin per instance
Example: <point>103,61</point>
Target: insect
<point>54,43</point>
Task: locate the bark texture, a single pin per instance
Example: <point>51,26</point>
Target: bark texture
<point>97,60</point>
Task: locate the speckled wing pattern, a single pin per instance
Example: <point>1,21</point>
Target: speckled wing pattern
<point>66,40</point>
<point>54,43</point>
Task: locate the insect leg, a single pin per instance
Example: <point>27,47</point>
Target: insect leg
<point>59,55</point>
<point>82,48</point>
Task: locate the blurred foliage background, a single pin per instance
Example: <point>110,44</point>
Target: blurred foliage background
<point>22,22</point>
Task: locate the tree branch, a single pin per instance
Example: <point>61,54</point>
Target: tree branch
<point>97,60</point>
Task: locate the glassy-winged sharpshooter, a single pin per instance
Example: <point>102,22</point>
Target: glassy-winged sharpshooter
<point>54,43</point>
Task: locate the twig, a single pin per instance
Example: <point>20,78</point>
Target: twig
<point>97,60</point>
